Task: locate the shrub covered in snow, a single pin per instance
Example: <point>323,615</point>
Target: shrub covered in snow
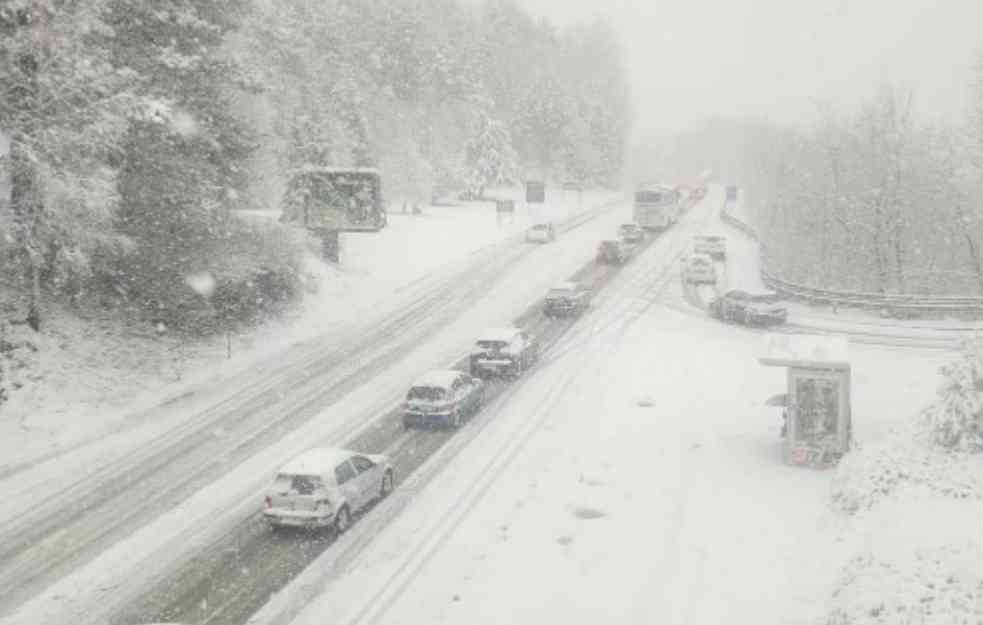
<point>956,418</point>
<point>904,461</point>
<point>937,452</point>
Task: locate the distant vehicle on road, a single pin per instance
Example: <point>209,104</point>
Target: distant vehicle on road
<point>749,308</point>
<point>657,206</point>
<point>325,486</point>
<point>541,233</point>
<point>443,398</point>
<point>714,245</point>
<point>698,268</point>
<point>566,299</point>
<point>503,352</point>
<point>631,233</point>
<point>613,253</point>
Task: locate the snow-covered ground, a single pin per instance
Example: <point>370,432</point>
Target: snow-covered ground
<point>94,380</point>
<point>142,557</point>
<point>576,504</point>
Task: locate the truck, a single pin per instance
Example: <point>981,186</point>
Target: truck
<point>656,207</point>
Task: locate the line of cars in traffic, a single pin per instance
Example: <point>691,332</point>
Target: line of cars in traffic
<point>619,251</point>
<point>734,305</point>
<point>325,487</point>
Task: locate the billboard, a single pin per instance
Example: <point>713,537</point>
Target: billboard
<point>535,192</point>
<point>338,199</point>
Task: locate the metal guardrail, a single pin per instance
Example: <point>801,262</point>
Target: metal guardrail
<point>898,305</point>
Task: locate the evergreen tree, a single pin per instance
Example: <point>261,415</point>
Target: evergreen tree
<point>63,106</point>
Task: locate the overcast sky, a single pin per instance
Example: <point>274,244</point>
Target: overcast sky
<point>690,59</point>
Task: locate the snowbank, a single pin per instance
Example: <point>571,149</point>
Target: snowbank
<point>914,507</point>
<point>904,464</point>
<point>920,564</point>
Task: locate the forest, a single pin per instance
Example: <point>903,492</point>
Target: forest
<point>881,199</point>
<point>136,130</point>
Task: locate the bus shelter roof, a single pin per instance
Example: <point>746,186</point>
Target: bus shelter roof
<point>806,351</point>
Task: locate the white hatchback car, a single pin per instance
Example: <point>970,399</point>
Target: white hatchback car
<point>324,486</point>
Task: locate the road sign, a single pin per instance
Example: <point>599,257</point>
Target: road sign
<point>535,192</point>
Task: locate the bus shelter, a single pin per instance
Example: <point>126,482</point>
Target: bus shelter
<point>818,427</point>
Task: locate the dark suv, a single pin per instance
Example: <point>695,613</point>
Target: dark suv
<point>631,233</point>
<point>749,308</point>
<point>503,352</point>
<point>566,298</point>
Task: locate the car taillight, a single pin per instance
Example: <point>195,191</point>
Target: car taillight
<point>269,502</point>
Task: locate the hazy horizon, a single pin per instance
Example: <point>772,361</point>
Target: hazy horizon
<point>689,60</point>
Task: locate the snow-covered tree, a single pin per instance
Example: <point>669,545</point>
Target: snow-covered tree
<point>956,418</point>
<point>63,106</point>
<point>490,158</point>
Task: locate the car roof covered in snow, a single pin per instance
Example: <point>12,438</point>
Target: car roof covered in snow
<point>308,169</point>
<point>317,461</point>
<point>440,378</point>
<point>564,286</point>
<point>806,350</point>
<point>498,334</point>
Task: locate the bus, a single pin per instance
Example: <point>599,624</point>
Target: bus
<point>657,206</point>
<point>340,199</point>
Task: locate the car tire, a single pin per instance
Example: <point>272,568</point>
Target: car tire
<point>386,488</point>
<point>342,521</point>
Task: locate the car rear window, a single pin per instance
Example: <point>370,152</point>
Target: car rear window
<point>765,298</point>
<point>486,344</point>
<point>540,227</point>
<point>427,393</point>
<point>300,484</point>
<point>648,196</point>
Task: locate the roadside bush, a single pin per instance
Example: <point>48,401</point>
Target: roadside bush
<point>253,271</point>
<point>956,419</point>
<point>905,460</point>
<point>938,451</point>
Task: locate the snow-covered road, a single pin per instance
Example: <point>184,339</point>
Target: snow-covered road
<point>576,504</point>
<point>303,403</point>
